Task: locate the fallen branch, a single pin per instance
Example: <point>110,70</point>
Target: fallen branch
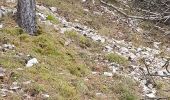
<point>166,65</point>
<point>147,68</point>
<point>156,17</point>
<point>160,75</point>
<point>157,98</point>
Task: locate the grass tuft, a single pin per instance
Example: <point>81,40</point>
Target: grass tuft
<point>113,57</point>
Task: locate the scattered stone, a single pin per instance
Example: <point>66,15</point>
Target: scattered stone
<point>83,1</point>
<point>108,49</point>
<point>76,20</point>
<point>45,95</point>
<point>41,7</point>
<point>27,82</point>
<point>41,16</point>
<point>63,30</point>
<point>1,13</point>
<point>11,1</point>
<point>53,9</point>
<point>27,97</point>
<point>20,69</point>
<point>94,73</point>
<point>14,86</point>
<point>98,38</point>
<point>56,28</point>
<point>86,10</point>
<point>108,74</point>
<point>31,62</point>
<point>68,42</point>
<point>4,92</point>
<point>8,46</point>
<point>156,44</point>
<point>2,73</point>
<point>1,25</point>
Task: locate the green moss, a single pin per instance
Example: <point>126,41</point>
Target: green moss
<point>85,42</point>
<point>71,34</point>
<point>78,70</point>
<point>52,19</point>
<point>45,45</point>
<point>24,37</point>
<point>113,57</point>
<point>124,89</point>
<point>13,31</point>
<point>11,62</point>
<point>82,41</point>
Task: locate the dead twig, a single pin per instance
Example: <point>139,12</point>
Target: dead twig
<point>156,17</point>
<point>147,68</point>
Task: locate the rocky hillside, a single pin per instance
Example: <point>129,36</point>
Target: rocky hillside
<point>84,50</point>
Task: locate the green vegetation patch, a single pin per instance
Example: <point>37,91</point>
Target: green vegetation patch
<point>114,57</point>
<point>52,19</point>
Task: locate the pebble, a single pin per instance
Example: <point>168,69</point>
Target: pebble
<point>1,25</point>
<point>8,46</point>
<point>14,86</point>
<point>108,74</point>
<point>53,9</point>
<point>45,95</point>
<point>31,62</point>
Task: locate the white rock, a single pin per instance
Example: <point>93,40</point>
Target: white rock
<point>108,74</point>
<point>86,10</point>
<point>63,30</point>
<point>8,46</point>
<point>140,30</point>
<point>98,94</point>
<point>83,0</point>
<point>31,62</point>
<point>108,48</point>
<point>27,82</point>
<point>2,72</point>
<point>48,23</point>
<point>161,73</point>
<point>42,8</point>
<point>98,38</point>
<point>151,95</point>
<point>97,13</point>
<point>14,86</point>
<point>68,42</point>
<point>11,1</point>
<point>139,49</point>
<point>1,13</point>
<point>41,16</point>
<point>45,95</point>
<point>53,9</point>
<point>76,20</point>
<point>20,69</point>
<point>94,73</point>
<point>156,44</point>
<point>124,50</point>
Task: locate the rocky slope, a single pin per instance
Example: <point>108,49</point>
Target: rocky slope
<point>139,72</point>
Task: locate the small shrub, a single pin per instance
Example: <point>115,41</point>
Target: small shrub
<point>13,31</point>
<point>52,19</point>
<point>113,57</point>
<point>71,34</point>
<point>79,71</point>
<point>24,37</point>
<point>82,41</point>
<point>125,89</point>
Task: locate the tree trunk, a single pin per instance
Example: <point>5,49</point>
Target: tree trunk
<point>26,15</point>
